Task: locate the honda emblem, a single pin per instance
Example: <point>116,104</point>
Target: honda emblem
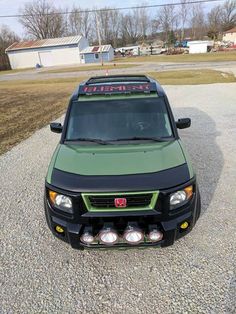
<point>120,202</point>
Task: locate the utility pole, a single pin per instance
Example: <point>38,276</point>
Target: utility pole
<point>99,38</point>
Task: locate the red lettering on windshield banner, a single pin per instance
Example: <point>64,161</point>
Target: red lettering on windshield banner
<point>116,88</point>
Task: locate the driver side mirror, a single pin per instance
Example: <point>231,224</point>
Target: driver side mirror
<point>183,123</point>
<point>56,127</point>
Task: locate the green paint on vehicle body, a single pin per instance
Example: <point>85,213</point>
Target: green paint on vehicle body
<point>51,165</point>
<point>119,159</point>
<point>90,208</point>
<point>188,160</point>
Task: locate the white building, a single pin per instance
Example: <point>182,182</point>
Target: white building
<point>200,46</point>
<point>230,35</point>
<point>46,52</point>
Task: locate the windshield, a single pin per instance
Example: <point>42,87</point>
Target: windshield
<point>119,120</point>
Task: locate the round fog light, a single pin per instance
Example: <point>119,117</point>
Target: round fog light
<point>184,225</point>
<point>59,229</point>
<point>155,236</point>
<point>87,238</point>
<point>108,236</point>
<point>133,235</point>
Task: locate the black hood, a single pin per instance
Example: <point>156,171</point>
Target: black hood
<point>121,183</point>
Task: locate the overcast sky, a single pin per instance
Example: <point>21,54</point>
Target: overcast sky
<point>9,7</point>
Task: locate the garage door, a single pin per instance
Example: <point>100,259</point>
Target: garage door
<point>45,58</point>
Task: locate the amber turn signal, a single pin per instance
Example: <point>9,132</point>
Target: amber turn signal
<point>189,191</point>
<point>52,196</point>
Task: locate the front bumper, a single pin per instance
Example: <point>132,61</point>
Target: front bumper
<point>169,226</point>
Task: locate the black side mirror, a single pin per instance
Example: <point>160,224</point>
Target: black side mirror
<point>183,123</point>
<point>56,127</point>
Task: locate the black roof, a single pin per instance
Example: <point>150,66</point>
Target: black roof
<point>116,79</point>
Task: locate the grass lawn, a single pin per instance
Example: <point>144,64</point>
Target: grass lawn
<point>26,106</point>
<point>200,57</point>
<point>90,68</point>
<point>15,71</point>
<point>192,77</point>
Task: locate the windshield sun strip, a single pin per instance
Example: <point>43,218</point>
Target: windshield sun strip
<point>117,96</point>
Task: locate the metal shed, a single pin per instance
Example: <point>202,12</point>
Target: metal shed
<point>46,52</point>
<point>92,54</point>
<point>200,46</point>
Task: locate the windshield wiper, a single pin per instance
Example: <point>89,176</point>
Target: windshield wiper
<point>93,140</point>
<point>137,138</point>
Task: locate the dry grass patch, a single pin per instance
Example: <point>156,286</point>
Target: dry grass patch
<point>16,71</point>
<point>192,77</point>
<point>27,106</point>
<point>200,57</point>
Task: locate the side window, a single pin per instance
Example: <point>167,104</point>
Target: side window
<point>96,55</point>
<point>167,124</point>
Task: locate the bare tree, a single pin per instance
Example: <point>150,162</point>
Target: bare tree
<point>105,25</point>
<point>168,18</point>
<point>197,21</point>
<point>228,14</point>
<point>7,37</point>
<point>115,20</point>
<point>214,22</point>
<point>154,26</point>
<point>143,19</point>
<point>80,22</point>
<point>42,20</point>
<point>183,14</point>
<point>130,28</point>
<point>135,25</point>
<point>109,23</point>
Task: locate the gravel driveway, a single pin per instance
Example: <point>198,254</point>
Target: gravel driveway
<point>40,274</point>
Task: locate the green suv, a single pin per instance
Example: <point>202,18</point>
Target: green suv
<point>120,176</point>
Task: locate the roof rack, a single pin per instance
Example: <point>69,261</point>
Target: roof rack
<point>117,78</point>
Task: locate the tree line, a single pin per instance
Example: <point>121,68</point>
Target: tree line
<point>44,20</point>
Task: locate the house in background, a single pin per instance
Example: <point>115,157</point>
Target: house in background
<point>92,54</point>
<point>47,52</point>
<point>230,35</point>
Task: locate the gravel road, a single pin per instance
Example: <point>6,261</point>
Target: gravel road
<point>41,74</point>
<point>40,274</point>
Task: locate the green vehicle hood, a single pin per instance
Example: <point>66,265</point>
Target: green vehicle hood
<point>117,159</point>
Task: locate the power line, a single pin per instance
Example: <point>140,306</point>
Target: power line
<point>112,9</point>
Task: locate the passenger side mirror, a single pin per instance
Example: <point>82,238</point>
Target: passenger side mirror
<point>183,123</point>
<point>56,127</point>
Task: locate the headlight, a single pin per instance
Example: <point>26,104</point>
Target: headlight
<point>61,202</point>
<point>181,197</point>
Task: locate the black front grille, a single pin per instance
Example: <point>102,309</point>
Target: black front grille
<point>133,200</point>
